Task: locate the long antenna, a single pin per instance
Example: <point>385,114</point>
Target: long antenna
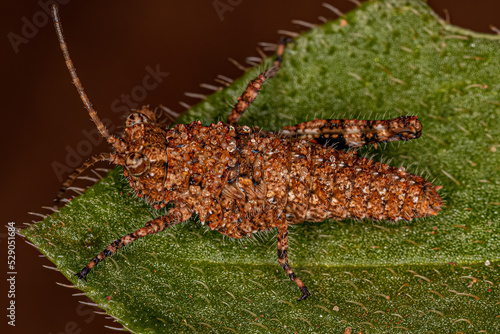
<point>76,81</point>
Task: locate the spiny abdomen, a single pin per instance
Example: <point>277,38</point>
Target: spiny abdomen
<point>329,184</point>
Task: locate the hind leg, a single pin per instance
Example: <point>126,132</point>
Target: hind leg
<point>253,88</point>
<point>346,133</point>
<point>283,259</point>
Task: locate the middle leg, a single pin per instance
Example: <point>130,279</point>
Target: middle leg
<point>174,216</point>
<point>283,259</point>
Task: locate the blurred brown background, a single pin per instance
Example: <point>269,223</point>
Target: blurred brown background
<point>111,43</point>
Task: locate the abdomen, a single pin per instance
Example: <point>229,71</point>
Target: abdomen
<point>329,184</point>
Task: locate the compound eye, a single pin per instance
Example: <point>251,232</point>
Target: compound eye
<point>136,118</point>
<point>137,164</point>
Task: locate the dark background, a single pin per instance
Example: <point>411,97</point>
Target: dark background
<point>111,44</point>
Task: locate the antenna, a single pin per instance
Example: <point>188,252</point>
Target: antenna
<point>76,81</point>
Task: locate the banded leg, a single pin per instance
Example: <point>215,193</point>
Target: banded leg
<point>77,172</point>
<point>283,259</point>
<point>154,226</point>
<point>253,88</point>
<point>345,133</point>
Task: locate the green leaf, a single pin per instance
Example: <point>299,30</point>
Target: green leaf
<point>440,274</point>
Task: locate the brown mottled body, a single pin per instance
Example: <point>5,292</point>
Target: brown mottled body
<point>242,180</point>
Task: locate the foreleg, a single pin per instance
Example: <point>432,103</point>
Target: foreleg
<point>77,172</point>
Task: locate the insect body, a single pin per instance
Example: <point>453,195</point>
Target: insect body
<point>242,180</point>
